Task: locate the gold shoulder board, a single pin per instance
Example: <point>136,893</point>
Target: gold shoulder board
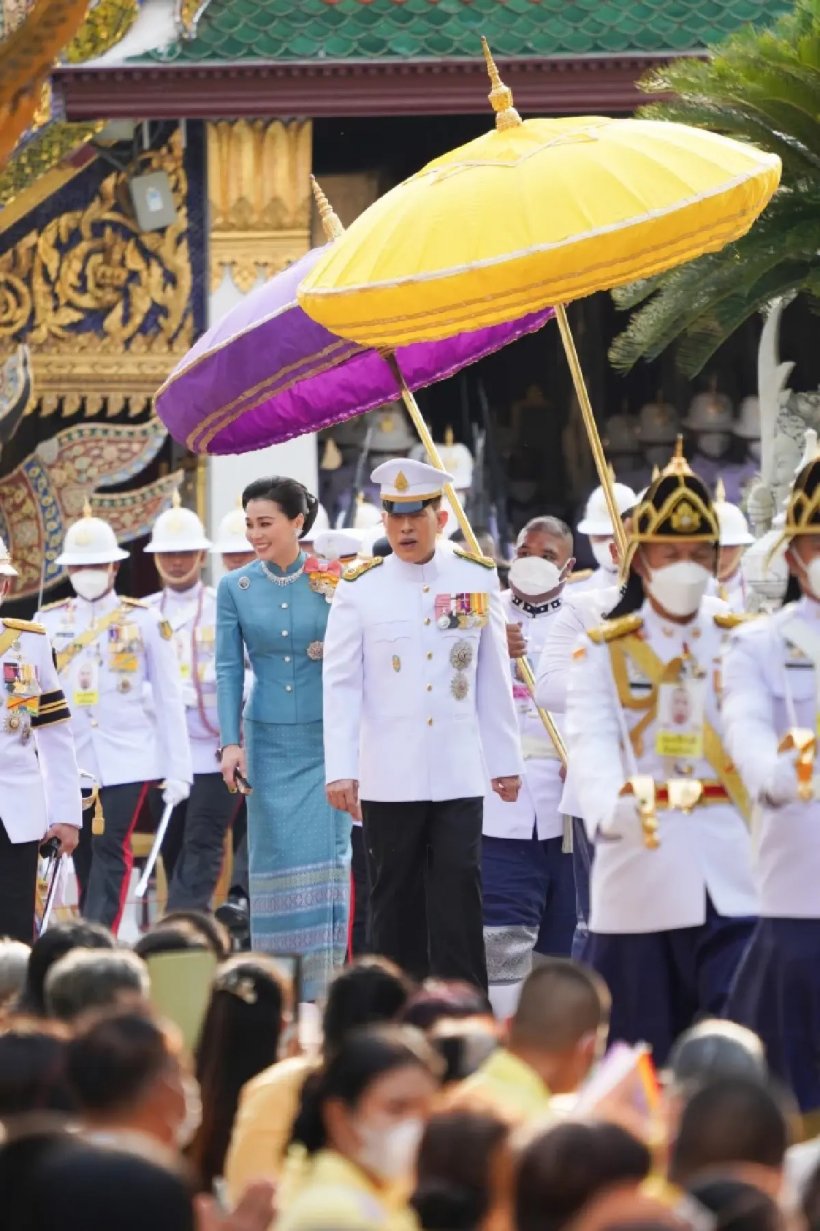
<point>24,626</point>
<point>611,630</point>
<point>484,561</point>
<point>131,602</point>
<point>731,619</point>
<point>581,575</point>
<point>355,571</point>
<point>60,602</point>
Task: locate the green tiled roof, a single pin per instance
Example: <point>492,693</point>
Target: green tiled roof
<point>266,30</point>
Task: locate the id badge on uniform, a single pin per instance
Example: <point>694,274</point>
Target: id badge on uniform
<point>462,610</point>
<point>86,691</point>
<point>681,713</point>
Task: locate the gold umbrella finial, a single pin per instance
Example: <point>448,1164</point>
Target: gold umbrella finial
<point>678,464</point>
<point>87,510</point>
<point>720,491</point>
<point>331,225</point>
<point>500,95</point>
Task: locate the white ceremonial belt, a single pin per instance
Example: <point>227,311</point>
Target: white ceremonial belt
<point>535,749</point>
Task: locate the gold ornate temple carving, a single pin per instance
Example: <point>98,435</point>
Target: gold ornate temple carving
<point>104,308</point>
<point>260,199</point>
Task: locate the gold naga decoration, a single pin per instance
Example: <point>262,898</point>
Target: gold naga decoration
<point>50,489</point>
<point>104,308</point>
<point>16,390</point>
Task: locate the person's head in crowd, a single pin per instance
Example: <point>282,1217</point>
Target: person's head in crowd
<point>370,1100</point>
<point>56,942</point>
<point>736,1205</point>
<point>87,980</point>
<point>459,1156</point>
<point>25,1142</point>
<point>486,542</point>
<point>464,1044</point>
<point>559,1028</point>
<point>250,1009</point>
<point>33,1056</point>
<point>543,560</point>
<point>732,1122</point>
<point>561,1167</point>
<point>622,1208</point>
<point>183,932</point>
<point>440,999</point>
<point>76,1185</point>
<point>369,991</point>
<point>127,1075</point>
<point>14,958</point>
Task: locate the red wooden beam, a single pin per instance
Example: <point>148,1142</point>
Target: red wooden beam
<point>563,85</point>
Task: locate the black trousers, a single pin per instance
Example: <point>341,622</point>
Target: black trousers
<point>106,886</point>
<point>194,841</point>
<point>360,930</point>
<point>18,886</point>
<point>424,862</point>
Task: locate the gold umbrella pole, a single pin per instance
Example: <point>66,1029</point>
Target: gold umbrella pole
<point>525,670</point>
<point>588,415</point>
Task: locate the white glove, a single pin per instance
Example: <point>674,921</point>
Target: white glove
<point>175,791</point>
<point>625,818</point>
<point>781,787</point>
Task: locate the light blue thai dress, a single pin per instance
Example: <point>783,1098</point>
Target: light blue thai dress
<point>298,846</point>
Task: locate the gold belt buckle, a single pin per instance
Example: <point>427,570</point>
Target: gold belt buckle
<point>683,794</point>
<point>804,742</point>
<point>642,786</point>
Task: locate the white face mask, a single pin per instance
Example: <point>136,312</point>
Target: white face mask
<point>91,583</point>
<point>531,576</point>
<point>389,1152</point>
<point>603,555</point>
<point>713,444</point>
<point>678,588</point>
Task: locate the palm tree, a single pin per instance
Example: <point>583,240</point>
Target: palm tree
<point>761,86</point>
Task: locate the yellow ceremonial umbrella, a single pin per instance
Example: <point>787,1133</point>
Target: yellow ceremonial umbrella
<point>536,212</point>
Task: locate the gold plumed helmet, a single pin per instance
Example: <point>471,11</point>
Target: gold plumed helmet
<point>676,505</point>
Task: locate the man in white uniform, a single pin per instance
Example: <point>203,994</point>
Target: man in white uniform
<point>735,537</point>
<point>232,542</point>
<point>770,708</point>
<point>39,779</point>
<point>418,715</point>
<point>194,843</point>
<point>529,889</point>
<point>107,647</point>
<point>673,896</point>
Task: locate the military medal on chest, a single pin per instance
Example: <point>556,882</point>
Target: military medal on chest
<point>462,610</point>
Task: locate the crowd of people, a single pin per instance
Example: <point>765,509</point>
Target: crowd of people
<point>588,882</point>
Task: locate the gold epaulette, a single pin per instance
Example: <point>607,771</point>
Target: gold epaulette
<point>132,602</point>
<point>364,566</point>
<point>60,602</point>
<point>581,575</point>
<point>731,619</point>
<point>484,561</point>
<point>611,630</point>
<point>24,626</point>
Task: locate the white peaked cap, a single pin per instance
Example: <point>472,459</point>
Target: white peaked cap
<point>596,519</point>
<point>90,540</point>
<point>336,544</point>
<point>178,529</point>
<point>405,481</point>
<point>231,538</point>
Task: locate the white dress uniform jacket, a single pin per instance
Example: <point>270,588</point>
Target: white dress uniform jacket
<point>771,677</point>
<point>579,612</point>
<point>191,614</point>
<point>537,808</point>
<point>117,738</point>
<point>39,781</point>
<point>634,889</point>
<point>415,707</point>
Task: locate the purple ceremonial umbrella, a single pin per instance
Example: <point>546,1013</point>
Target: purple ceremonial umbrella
<point>266,372</point>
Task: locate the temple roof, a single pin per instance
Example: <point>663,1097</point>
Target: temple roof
<point>278,30</point>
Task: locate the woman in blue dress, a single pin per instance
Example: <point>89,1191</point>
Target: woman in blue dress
<point>275,609</point>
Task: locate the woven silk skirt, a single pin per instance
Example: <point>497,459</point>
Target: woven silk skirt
<point>298,852</point>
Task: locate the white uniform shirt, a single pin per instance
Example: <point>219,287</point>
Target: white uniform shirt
<point>39,780</point>
<point>414,710</point>
<point>579,611</point>
<point>191,614</point>
<point>634,889</point>
<point>118,738</point>
<point>734,592</point>
<point>537,808</point>
<point>595,580</point>
<point>763,668</point>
